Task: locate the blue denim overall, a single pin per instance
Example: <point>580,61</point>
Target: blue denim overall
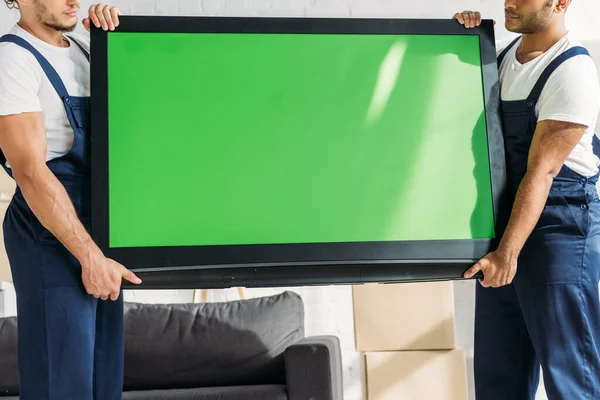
<point>70,344</point>
<point>550,314</point>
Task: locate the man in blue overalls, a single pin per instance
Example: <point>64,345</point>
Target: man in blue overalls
<point>70,333</point>
<point>539,303</point>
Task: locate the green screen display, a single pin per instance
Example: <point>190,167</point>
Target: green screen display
<point>226,139</point>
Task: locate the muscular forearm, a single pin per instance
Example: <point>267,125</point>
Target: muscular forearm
<point>527,208</point>
<point>51,204</point>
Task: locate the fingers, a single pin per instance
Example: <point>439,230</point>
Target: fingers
<point>488,281</point>
<point>467,17</point>
<point>130,276</point>
<point>479,266</point>
<point>103,280</point>
<point>107,293</point>
<point>459,17</point>
<point>472,271</point>
<point>498,277</point>
<point>470,19</point>
<point>506,278</point>
<point>115,12</point>
<point>490,276</point>
<point>104,16</point>
<point>107,288</point>
<point>93,16</point>
<point>100,15</point>
<point>108,18</point>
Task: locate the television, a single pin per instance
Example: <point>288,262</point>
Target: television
<point>255,152</point>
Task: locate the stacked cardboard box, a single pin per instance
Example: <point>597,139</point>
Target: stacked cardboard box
<point>407,334</point>
<point>7,188</point>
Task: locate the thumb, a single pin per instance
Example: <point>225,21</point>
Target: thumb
<point>473,270</point>
<point>130,276</point>
<point>86,23</point>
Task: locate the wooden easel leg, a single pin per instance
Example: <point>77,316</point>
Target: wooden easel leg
<point>200,295</point>
<point>241,293</point>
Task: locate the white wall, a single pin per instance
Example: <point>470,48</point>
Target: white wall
<point>329,309</point>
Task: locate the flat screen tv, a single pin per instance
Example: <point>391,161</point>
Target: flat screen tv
<point>231,151</point>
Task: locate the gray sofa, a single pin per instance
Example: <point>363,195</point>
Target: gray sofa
<point>241,350</point>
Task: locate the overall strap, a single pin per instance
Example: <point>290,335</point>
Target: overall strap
<point>48,69</point>
<point>506,50</point>
<point>557,62</point>
<point>596,145</point>
<point>83,50</point>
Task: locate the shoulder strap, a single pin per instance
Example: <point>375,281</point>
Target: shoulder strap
<point>48,69</point>
<point>83,50</point>
<point>557,62</point>
<point>596,145</point>
<point>506,50</point>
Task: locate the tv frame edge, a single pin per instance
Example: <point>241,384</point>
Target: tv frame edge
<point>285,265</point>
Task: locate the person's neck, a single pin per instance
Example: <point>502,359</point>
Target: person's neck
<point>44,33</point>
<point>534,45</point>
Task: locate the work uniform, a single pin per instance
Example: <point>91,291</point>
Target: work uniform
<point>70,344</point>
<point>550,314</point>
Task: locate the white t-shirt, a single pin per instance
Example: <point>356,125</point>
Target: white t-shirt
<point>572,94</point>
<point>24,86</point>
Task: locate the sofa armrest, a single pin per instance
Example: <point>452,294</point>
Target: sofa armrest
<point>314,369</point>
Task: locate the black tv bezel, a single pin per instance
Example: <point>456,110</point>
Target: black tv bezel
<point>291,264</point>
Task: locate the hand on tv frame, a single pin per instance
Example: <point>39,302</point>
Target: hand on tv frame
<point>102,16</point>
<point>499,269</point>
<point>470,19</point>
<point>102,276</point>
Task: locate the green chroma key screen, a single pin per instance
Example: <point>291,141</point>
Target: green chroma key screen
<point>226,139</point>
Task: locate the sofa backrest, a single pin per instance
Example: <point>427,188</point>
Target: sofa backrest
<point>193,345</point>
<point>212,344</point>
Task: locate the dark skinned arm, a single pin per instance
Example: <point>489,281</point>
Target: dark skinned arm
<point>552,143</point>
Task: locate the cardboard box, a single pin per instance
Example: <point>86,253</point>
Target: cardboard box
<point>7,186</point>
<point>5,275</point>
<point>7,189</point>
<point>406,316</point>
<point>416,375</point>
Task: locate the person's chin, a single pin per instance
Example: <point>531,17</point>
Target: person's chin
<point>511,25</point>
<point>70,24</point>
<point>68,27</point>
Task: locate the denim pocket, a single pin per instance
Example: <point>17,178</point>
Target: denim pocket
<point>554,251</point>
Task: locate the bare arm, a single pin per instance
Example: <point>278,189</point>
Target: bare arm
<point>552,142</point>
<point>23,141</point>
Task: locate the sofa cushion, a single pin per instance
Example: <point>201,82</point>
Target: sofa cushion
<point>264,392</point>
<point>9,374</point>
<point>211,344</point>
